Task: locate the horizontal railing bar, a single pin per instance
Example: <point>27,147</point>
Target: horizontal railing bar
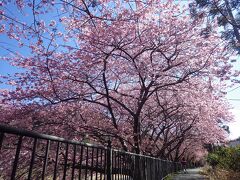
<point>17,131</point>
<point>144,156</point>
<point>27,133</point>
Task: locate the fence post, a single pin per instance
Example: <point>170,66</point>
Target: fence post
<point>109,160</point>
<point>137,175</point>
<point>174,166</point>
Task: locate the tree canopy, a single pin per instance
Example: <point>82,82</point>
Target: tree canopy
<point>140,72</point>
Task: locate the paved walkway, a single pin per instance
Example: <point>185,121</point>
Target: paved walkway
<point>191,174</point>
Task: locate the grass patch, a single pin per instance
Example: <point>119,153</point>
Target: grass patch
<point>220,174</point>
<point>205,170</point>
<point>170,176</point>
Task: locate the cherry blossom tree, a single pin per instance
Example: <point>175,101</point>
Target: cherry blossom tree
<point>137,71</point>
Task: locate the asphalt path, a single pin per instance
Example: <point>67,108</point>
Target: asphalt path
<point>190,174</point>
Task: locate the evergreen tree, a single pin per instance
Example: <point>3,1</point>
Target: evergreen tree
<point>227,14</point>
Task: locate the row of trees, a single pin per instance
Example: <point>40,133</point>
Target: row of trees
<point>141,72</point>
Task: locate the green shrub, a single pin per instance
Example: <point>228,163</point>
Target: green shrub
<point>213,159</point>
<point>225,157</point>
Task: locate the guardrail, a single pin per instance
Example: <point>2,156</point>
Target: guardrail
<point>30,155</point>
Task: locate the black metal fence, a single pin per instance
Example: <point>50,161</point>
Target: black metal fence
<point>29,155</point>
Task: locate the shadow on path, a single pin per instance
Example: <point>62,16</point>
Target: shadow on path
<point>191,174</point>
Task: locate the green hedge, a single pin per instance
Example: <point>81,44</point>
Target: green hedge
<point>225,157</point>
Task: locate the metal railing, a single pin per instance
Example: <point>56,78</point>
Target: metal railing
<point>30,155</point>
